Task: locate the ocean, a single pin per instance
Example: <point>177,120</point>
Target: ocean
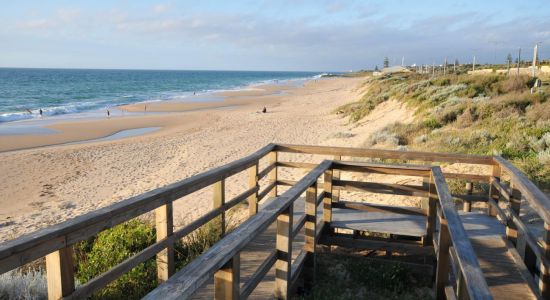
<point>72,91</point>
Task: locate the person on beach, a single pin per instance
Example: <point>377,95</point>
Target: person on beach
<point>40,111</point>
<point>145,107</point>
<point>108,113</point>
<point>264,110</point>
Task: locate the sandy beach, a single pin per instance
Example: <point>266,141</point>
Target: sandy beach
<point>47,185</point>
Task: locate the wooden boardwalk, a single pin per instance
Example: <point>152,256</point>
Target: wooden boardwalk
<point>256,253</point>
<point>503,269</point>
<point>501,264</point>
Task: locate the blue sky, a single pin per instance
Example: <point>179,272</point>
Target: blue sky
<point>266,35</point>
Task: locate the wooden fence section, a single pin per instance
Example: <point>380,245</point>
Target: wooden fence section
<point>443,230</point>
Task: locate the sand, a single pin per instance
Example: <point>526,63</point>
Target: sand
<point>44,186</point>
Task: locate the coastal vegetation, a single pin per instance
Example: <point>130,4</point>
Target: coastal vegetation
<point>476,114</point>
<point>106,250</point>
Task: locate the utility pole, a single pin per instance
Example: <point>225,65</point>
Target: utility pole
<point>433,68</point>
<point>519,58</point>
<point>403,61</point>
<point>445,67</point>
<point>474,64</point>
<point>535,57</point>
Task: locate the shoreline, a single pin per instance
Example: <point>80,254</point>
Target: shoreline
<point>143,114</point>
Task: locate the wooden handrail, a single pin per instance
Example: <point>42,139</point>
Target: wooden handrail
<point>529,190</point>
<point>387,154</point>
<point>469,266</point>
<point>185,282</point>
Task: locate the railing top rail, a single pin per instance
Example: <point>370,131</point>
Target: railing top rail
<point>185,283</point>
<point>401,169</point>
<point>387,154</point>
<point>25,249</point>
<point>467,259</point>
<point>529,190</point>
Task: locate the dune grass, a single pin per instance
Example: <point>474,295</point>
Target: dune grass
<point>481,114</point>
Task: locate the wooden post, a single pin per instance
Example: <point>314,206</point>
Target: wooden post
<point>226,280</point>
<point>336,175</point>
<point>283,265</point>
<point>310,233</point>
<point>430,208</point>
<point>218,201</point>
<point>544,284</point>
<point>253,182</point>
<point>164,220</point>
<point>272,175</point>
<point>469,191</point>
<point>60,273</point>
<point>442,271</point>
<point>493,192</point>
<point>515,206</point>
<point>327,201</point>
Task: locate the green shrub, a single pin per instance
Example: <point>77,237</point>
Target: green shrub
<point>113,246</point>
<point>110,248</point>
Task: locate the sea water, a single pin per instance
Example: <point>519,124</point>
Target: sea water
<point>23,92</point>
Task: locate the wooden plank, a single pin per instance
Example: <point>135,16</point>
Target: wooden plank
<point>37,244</point>
<point>255,279</point>
<point>60,273</point>
<point>381,188</point>
<point>387,154</point>
<point>185,282</point>
<point>272,175</point>
<point>467,205</point>
<point>536,198</point>
<point>286,182</point>
<point>370,207</point>
<point>253,178</point>
<point>226,280</point>
<point>390,223</point>
<point>268,190</point>
<point>544,270</point>
<point>310,243</point>
<point>298,225</point>
<point>442,269</point>
<point>218,200</point>
<point>469,266</point>
<point>369,243</point>
<point>296,269</point>
<point>266,171</point>
<point>283,263</point>
<point>378,168</point>
<point>431,212</point>
<point>515,206</point>
<point>493,192</point>
<point>164,222</point>
<point>327,201</point>
<point>336,176</point>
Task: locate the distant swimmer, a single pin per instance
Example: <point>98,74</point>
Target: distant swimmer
<point>264,110</point>
<point>194,93</point>
<point>40,111</point>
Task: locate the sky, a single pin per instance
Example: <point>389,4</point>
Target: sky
<point>298,35</point>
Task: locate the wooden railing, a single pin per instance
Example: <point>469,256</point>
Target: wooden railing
<point>55,243</point>
<point>508,188</point>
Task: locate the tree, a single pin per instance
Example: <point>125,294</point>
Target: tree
<point>509,58</point>
<point>386,62</point>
